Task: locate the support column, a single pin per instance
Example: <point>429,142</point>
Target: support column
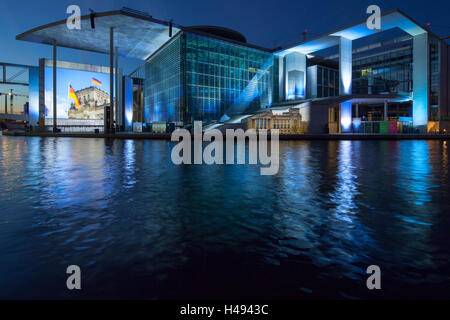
<point>385,110</point>
<point>128,103</point>
<point>33,93</point>
<point>54,88</point>
<point>357,111</point>
<point>295,76</point>
<point>108,117</point>
<point>11,95</point>
<point>345,66</point>
<point>345,82</point>
<point>420,81</point>
<point>281,72</point>
<point>346,116</point>
<point>116,106</point>
<point>4,80</point>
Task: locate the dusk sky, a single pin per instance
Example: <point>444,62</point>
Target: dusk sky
<point>265,23</point>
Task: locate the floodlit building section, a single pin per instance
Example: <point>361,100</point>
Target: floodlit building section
<point>414,67</point>
<point>200,77</point>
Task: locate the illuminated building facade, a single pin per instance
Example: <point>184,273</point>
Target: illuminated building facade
<point>201,77</point>
<point>92,103</point>
<point>393,80</point>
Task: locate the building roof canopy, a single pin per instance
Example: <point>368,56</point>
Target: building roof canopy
<point>389,20</point>
<point>135,35</point>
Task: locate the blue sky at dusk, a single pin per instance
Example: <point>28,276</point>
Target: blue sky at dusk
<point>265,23</point>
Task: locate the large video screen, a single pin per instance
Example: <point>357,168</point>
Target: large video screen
<point>80,94</point>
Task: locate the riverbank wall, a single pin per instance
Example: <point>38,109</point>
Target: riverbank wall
<point>166,136</point>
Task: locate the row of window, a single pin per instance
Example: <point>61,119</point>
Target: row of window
<point>277,123</point>
<point>389,72</point>
<point>208,45</point>
<point>194,79</point>
<point>382,58</point>
<point>221,59</point>
<point>224,78</point>
<point>226,71</point>
<point>282,124</point>
<point>327,77</point>
<point>327,82</point>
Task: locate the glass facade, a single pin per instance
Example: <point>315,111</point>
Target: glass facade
<point>201,78</point>
<point>163,87</point>
<point>389,72</point>
<point>198,77</point>
<point>224,78</point>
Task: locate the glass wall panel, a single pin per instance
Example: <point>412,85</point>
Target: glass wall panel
<point>225,78</point>
<point>163,94</point>
<point>389,72</point>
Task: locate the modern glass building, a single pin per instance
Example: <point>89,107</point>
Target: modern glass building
<point>205,77</point>
<point>389,71</point>
<point>393,80</point>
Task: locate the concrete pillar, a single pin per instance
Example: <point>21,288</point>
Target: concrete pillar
<point>295,76</point>
<point>385,110</point>
<point>420,81</point>
<point>370,83</point>
<point>108,116</point>
<point>281,72</point>
<point>357,111</point>
<point>345,66</point>
<point>346,116</point>
<point>4,80</point>
<point>345,82</point>
<point>116,84</point>
<point>54,88</point>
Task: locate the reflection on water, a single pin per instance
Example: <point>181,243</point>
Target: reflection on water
<point>141,227</point>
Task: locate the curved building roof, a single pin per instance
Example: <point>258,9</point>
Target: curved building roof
<point>136,35</point>
<point>220,31</point>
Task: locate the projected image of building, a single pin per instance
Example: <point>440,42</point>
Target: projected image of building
<point>92,102</point>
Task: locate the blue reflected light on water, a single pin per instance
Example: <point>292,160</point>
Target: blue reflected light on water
<point>141,227</point>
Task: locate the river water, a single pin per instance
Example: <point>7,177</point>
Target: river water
<point>141,227</point>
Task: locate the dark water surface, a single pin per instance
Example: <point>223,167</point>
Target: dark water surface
<point>141,227</point>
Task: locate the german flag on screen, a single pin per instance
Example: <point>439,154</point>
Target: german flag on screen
<point>97,82</point>
<point>74,96</point>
